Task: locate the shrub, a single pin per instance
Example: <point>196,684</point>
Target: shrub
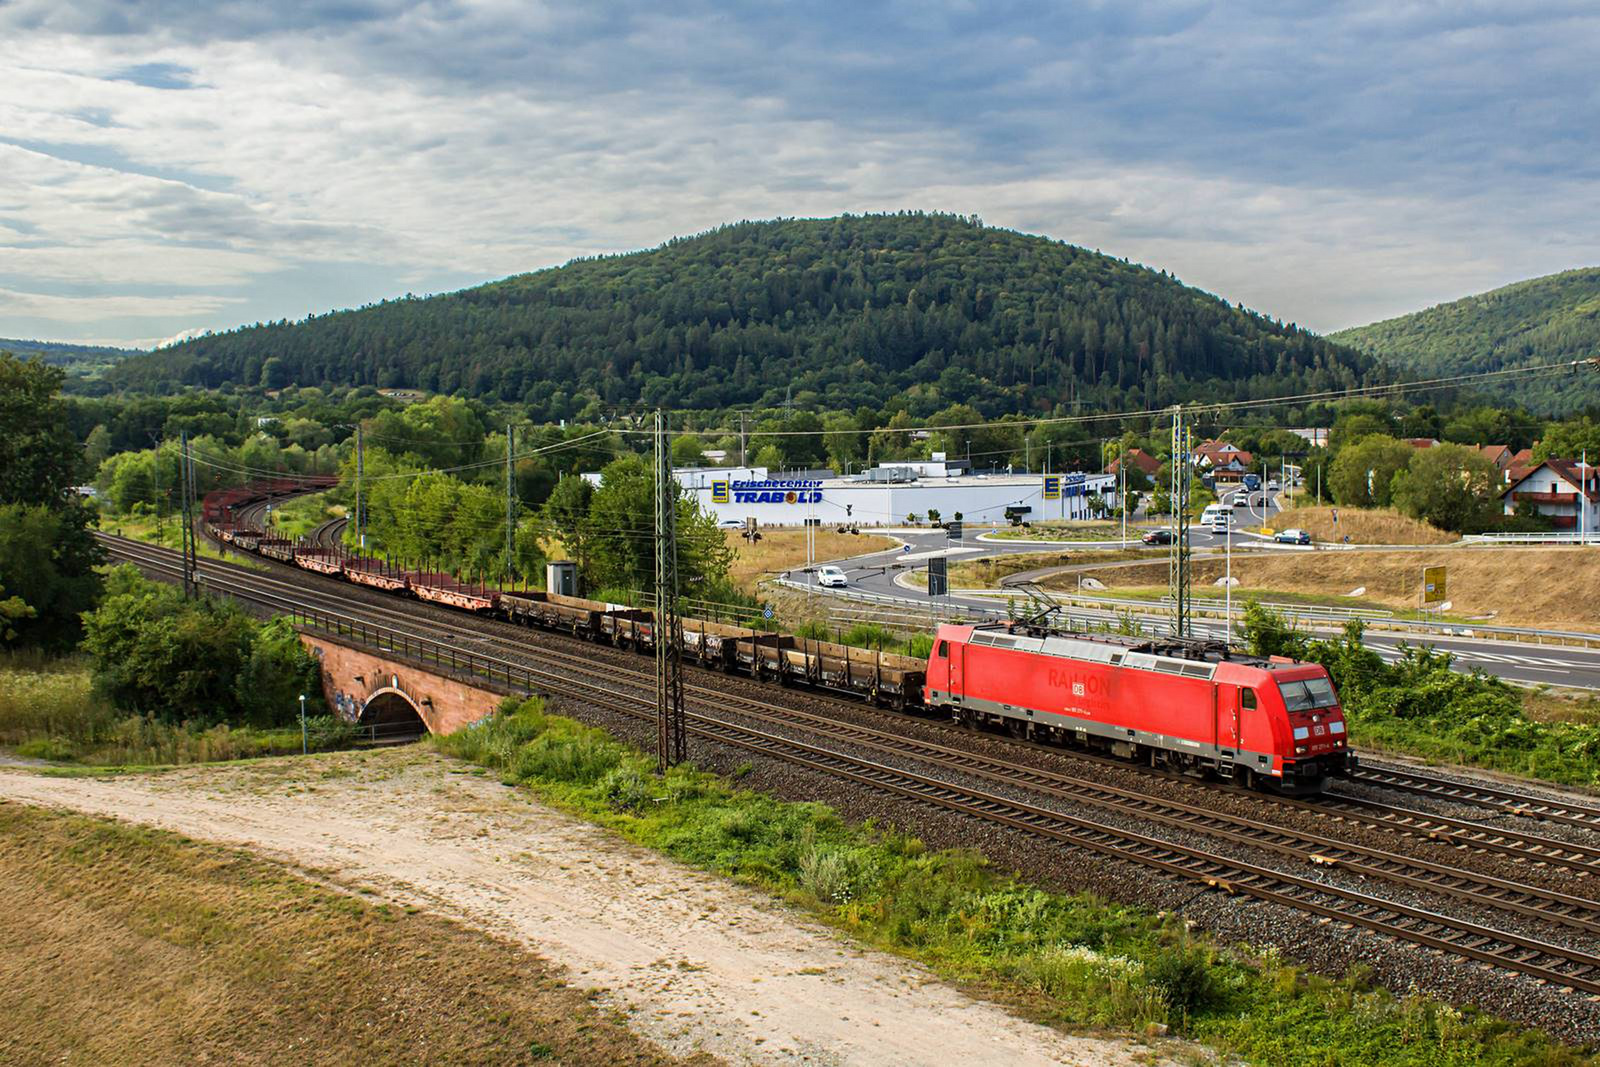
<point>625,789</point>
<point>1185,977</point>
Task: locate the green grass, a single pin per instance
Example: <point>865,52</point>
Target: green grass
<point>50,711</point>
<point>1071,959</point>
<point>168,533</point>
<point>298,516</point>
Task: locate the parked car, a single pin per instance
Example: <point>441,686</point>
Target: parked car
<point>731,524</point>
<point>831,577</point>
<point>1157,537</point>
<point>1292,537</point>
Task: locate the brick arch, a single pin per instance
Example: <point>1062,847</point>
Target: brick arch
<point>391,709</point>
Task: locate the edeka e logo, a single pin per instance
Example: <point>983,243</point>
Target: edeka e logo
<point>1052,487</point>
<point>719,492</point>
<point>776,491</point>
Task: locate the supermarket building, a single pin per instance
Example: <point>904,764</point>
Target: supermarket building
<point>888,495</point>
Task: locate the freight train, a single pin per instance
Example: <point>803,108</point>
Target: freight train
<point>1190,706</point>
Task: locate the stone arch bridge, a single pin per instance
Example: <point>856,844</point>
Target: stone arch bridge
<point>398,699</point>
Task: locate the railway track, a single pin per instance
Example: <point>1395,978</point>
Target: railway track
<point>862,759</point>
<point>1510,801</point>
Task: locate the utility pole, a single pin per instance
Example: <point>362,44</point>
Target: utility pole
<point>190,549</point>
<point>161,502</point>
<point>668,627</point>
<point>1178,564</point>
<point>361,526</point>
<point>742,461</point>
<point>511,503</point>
<point>1122,501</point>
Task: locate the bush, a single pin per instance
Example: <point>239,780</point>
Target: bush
<point>1184,975</point>
<point>156,653</point>
<point>625,789</point>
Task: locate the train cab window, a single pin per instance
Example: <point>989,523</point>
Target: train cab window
<point>1307,695</point>
<point>943,650</point>
<point>1247,698</point>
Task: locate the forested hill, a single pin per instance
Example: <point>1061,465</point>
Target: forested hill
<point>832,312</point>
<point>74,359</point>
<point>1547,319</point>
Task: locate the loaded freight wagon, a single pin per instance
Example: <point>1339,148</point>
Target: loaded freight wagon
<point>1188,705</point>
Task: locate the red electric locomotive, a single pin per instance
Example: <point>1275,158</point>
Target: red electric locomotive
<point>1190,705</point>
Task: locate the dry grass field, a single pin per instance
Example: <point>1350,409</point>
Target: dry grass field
<point>780,550</point>
<point>1364,526</point>
<point>134,946</point>
<point>1555,588</point>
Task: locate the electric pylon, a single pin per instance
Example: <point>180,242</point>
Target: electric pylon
<point>668,627</point>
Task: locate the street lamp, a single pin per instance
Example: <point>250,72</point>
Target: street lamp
<point>304,747</point>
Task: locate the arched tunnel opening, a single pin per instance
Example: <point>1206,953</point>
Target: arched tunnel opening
<point>389,718</point>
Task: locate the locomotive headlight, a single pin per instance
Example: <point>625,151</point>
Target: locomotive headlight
<point>1299,750</point>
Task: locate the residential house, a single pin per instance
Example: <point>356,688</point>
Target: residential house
<point>1562,490</point>
<point>1519,465</point>
<point>1222,462</point>
<point>1139,459</point>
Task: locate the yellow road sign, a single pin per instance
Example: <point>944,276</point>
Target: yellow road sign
<point>1433,586</point>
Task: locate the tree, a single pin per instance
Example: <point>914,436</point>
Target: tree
<point>13,610</point>
<point>565,517</point>
<point>47,559</point>
<point>96,448</point>
<point>1451,486</point>
<point>39,457</point>
<point>621,522</point>
<point>1569,440</point>
<point>274,675</point>
<point>687,450</point>
<point>1363,473</point>
<point>842,441</point>
<point>158,654</point>
<point>203,661</point>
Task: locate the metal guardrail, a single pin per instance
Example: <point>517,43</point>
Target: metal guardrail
<point>1591,538</point>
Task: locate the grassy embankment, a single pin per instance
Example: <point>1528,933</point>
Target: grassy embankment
<point>49,710</point>
<point>135,946</point>
<point>298,516</point>
<point>1548,588</point>
<point>1364,526</point>
<point>1071,960</point>
<point>1088,530</point>
<point>781,550</point>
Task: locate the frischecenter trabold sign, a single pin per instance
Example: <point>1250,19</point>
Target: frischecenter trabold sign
<point>769,491</point>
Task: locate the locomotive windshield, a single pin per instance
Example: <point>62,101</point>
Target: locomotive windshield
<point>1309,694</point>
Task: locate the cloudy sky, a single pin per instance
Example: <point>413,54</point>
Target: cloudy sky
<point>170,166</point>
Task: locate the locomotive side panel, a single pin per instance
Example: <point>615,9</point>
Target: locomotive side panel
<point>1098,699</point>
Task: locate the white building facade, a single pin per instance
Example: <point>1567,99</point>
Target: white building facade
<point>890,497</point>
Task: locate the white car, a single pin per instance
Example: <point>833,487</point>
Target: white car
<point>831,577</point>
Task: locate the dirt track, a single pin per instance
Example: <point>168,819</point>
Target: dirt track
<point>693,962</point>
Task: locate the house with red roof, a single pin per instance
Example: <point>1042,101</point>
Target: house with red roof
<point>1139,459</point>
<point>1564,491</point>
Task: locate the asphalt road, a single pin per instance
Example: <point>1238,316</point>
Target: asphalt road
<point>1516,661</point>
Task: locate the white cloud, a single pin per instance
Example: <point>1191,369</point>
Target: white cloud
<point>1328,165</point>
